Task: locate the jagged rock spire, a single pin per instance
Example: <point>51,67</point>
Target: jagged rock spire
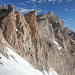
<point>10,7</point>
<point>3,7</point>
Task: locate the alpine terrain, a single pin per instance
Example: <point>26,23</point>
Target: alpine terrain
<point>35,45</point>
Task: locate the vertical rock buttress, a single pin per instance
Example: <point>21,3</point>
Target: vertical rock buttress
<point>31,20</point>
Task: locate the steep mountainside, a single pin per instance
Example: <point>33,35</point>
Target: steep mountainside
<point>42,40</point>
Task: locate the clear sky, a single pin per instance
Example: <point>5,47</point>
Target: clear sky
<point>64,9</point>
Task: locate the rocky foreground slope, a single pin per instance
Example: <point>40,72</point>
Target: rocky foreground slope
<point>42,40</point>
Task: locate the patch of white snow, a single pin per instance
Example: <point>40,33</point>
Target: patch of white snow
<point>56,42</point>
<point>16,30</point>
<point>59,47</point>
<point>50,24</point>
<point>56,21</point>
<point>53,72</point>
<point>21,67</point>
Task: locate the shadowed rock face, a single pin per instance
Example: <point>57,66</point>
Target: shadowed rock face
<point>70,33</point>
<point>41,40</point>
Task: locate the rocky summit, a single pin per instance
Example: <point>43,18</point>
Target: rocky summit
<point>42,40</point>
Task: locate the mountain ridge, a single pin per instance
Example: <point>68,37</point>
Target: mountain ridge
<point>42,40</point>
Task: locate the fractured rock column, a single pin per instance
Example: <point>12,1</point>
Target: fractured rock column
<point>31,20</point>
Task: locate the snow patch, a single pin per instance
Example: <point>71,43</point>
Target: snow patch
<point>21,67</point>
<point>45,73</point>
<point>16,30</point>
<point>50,24</point>
<point>56,42</point>
<point>56,21</point>
<point>59,47</point>
<point>53,72</point>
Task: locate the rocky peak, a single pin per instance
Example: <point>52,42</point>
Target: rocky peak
<point>52,16</point>
<point>3,7</point>
<point>51,13</point>
<point>31,20</point>
<point>10,7</point>
<point>4,12</point>
<point>41,17</point>
<point>41,40</point>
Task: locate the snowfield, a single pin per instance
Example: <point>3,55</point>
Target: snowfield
<point>16,65</point>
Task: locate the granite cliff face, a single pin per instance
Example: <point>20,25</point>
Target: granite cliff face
<point>42,40</point>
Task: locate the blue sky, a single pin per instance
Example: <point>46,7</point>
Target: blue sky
<point>64,9</point>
